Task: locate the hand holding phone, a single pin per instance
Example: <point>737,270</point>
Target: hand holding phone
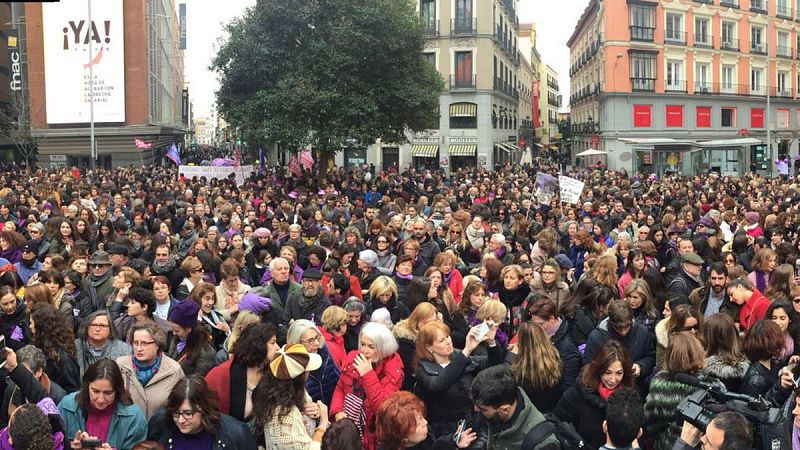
<point>459,430</point>
<point>483,328</point>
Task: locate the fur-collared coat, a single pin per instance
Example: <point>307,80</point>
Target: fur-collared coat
<point>731,374</point>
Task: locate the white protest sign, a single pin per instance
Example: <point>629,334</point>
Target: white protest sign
<point>570,189</point>
<point>218,172</point>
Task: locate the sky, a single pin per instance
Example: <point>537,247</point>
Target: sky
<point>205,25</point>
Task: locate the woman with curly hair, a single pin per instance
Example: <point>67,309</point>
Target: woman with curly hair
<point>282,407</point>
<point>11,244</point>
<point>30,429</point>
<point>52,335</point>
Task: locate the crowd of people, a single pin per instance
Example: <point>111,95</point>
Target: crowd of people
<point>388,310</point>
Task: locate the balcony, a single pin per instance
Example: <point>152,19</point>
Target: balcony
<point>643,84</point>
<point>784,51</point>
<point>703,41</point>
<point>703,87</point>
<point>758,48</point>
<point>729,3</point>
<point>462,82</point>
<point>758,6</point>
<point>786,93</point>
<point>675,37</point>
<point>431,27</point>
<point>783,11</point>
<point>505,87</point>
<point>708,2</point>
<point>730,44</point>
<point>463,26</point>
<point>642,33</point>
<point>674,86</point>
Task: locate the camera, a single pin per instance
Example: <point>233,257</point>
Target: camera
<point>700,407</point>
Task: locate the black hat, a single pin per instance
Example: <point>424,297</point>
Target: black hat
<point>312,274</point>
<point>30,246</point>
<point>118,250</point>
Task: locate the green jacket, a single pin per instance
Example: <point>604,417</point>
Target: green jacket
<point>268,290</point>
<point>128,426</point>
<point>512,437</point>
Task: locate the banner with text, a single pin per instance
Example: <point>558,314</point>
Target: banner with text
<point>570,189</point>
<point>67,35</point>
<point>545,189</point>
<point>217,172</point>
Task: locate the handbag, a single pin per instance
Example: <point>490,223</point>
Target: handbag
<point>353,407</point>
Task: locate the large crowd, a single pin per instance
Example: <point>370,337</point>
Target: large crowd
<point>362,308</point>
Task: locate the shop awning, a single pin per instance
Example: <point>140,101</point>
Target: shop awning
<point>539,145</point>
<point>502,146</point>
<point>463,110</point>
<point>553,147</point>
<point>463,149</point>
<point>512,146</point>
<point>656,141</point>
<point>729,142</point>
<point>424,150</point>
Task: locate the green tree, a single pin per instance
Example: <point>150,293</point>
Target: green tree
<point>327,73</point>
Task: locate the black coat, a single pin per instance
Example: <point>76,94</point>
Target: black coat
<point>586,411</point>
<point>397,310</point>
<point>65,372</point>
<point>639,343</point>
<point>445,390</point>
<point>582,324</point>
<point>570,358</point>
<point>543,399</point>
<point>10,322</point>
<point>230,433</point>
<point>758,379</point>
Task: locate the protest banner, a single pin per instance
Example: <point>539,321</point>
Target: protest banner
<point>545,189</point>
<point>218,172</point>
<point>570,189</point>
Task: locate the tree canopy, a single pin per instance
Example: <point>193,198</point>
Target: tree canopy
<point>327,73</point>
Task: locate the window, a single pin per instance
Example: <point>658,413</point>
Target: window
<point>427,10</point>
<point>430,58</point>
<point>728,117</point>
<point>701,32</point>
<point>642,22</point>
<point>783,44</point>
<point>783,87</point>
<point>674,80</point>
<point>728,79</point>
<point>782,118</point>
<point>463,19</point>
<point>757,40</point>
<point>702,78</point>
<point>674,30</point>
<point>643,70</point>
<point>756,117</point>
<point>756,80</point>
<point>703,117</point>
<point>641,116</point>
<point>463,72</point>
<point>729,40</point>
<point>674,116</point>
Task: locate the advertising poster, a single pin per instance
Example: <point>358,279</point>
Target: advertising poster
<point>68,57</point>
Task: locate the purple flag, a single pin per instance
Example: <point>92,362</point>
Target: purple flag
<point>173,154</point>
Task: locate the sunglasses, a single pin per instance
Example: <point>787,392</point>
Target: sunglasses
<point>692,327</point>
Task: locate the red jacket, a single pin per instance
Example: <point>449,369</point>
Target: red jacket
<point>456,284</point>
<point>335,346</point>
<point>219,380</point>
<point>355,287</point>
<point>753,310</point>
<point>379,383</point>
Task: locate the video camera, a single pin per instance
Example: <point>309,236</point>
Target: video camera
<point>711,398</point>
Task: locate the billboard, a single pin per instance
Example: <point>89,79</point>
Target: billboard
<point>182,25</point>
<point>68,59</point>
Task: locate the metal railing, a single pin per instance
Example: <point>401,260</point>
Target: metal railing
<point>758,48</point>
<point>463,25</point>
<point>674,37</point>
<point>432,27</point>
<point>731,44</point>
<point>758,6</point>
<point>784,51</point>
<point>674,85</point>
<point>783,11</point>
<point>462,81</point>
<point>703,40</point>
<point>643,84</point>
<point>729,3</point>
<point>642,33</point>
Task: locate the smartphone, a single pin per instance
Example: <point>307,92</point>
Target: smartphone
<point>483,328</point>
<point>796,381</point>
<point>2,351</point>
<point>90,443</point>
<point>459,430</point>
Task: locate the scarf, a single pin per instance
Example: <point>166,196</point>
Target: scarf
<point>761,281</point>
<point>306,303</point>
<point>145,373</point>
<point>551,333</point>
<point>168,266</point>
<point>94,283</point>
<point>475,237</point>
<point>180,346</point>
<point>604,391</point>
<point>404,277</point>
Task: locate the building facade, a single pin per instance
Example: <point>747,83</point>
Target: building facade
<point>473,44</point>
<point>684,87</point>
<point>138,83</point>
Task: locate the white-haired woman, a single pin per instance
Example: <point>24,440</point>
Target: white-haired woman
<point>370,374</point>
<point>322,381</point>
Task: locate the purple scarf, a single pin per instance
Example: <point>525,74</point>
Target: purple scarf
<point>761,281</point>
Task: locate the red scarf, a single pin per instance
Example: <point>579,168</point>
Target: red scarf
<point>604,391</point>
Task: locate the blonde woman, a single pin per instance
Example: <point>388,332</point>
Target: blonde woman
<point>405,332</point>
<point>493,311</point>
<point>605,273</point>
<point>383,294</point>
<point>333,327</point>
<point>243,320</point>
<point>536,364</point>
<point>639,298</point>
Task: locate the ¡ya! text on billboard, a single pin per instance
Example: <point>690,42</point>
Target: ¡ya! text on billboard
<point>68,36</point>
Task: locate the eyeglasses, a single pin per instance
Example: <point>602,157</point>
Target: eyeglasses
<point>198,270</point>
<point>796,300</point>
<point>96,266</point>
<point>142,344</point>
<point>382,241</point>
<point>187,415</point>
<point>455,232</point>
<point>548,272</point>
<point>99,325</point>
<point>33,231</point>
<point>314,341</point>
<point>692,327</point>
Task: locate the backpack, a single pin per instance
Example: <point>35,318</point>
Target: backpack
<point>565,433</point>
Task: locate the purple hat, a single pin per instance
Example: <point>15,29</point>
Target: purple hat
<point>705,221</point>
<point>293,195</point>
<point>184,314</point>
<point>752,217</point>
<point>675,229</point>
<point>261,232</point>
<point>255,303</point>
